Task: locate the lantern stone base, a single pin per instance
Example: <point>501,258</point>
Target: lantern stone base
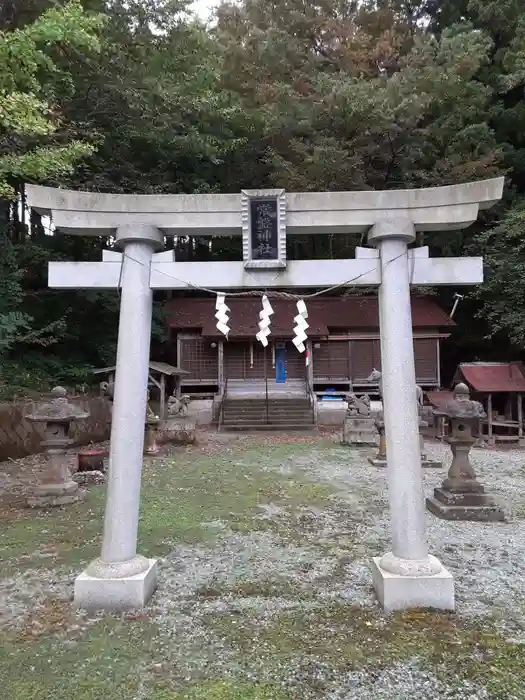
<point>465,505</point>
<point>115,594</point>
<point>359,431</point>
<point>402,592</point>
<point>53,495</point>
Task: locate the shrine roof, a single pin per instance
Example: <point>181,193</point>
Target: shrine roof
<point>324,315</point>
<point>492,377</point>
<point>438,399</point>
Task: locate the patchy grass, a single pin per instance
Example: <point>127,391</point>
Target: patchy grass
<point>263,592</point>
<point>224,690</point>
<point>179,495</point>
<point>340,637</point>
<point>106,663</point>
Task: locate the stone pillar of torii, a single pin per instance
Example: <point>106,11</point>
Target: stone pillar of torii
<point>405,577</point>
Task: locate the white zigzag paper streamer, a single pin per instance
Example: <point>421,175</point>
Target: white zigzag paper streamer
<point>222,315</point>
<point>301,324</point>
<point>264,323</point>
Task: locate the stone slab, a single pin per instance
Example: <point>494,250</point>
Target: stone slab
<point>463,498</point>
<point>115,594</point>
<point>481,514</point>
<point>396,592</point>
<point>431,464</point>
<point>359,441</point>
<point>374,461</point>
<point>55,501</point>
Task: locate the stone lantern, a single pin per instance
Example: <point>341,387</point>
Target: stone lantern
<point>55,487</point>
<point>461,496</point>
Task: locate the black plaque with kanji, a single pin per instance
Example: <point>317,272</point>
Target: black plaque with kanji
<point>264,220</point>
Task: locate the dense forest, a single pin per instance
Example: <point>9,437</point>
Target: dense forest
<point>141,96</point>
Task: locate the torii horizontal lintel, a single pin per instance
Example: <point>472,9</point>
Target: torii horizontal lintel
<point>100,214</point>
<point>231,275</point>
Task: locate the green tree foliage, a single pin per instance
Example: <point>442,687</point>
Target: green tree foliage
<point>34,145</point>
<point>503,295</point>
<point>307,95</point>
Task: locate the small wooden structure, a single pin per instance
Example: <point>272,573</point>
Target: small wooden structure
<point>500,387</point>
<point>158,372</point>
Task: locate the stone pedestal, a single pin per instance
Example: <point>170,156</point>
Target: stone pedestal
<point>400,591</point>
<point>178,430</point>
<point>359,430</point>
<point>461,496</point>
<point>115,593</point>
<point>469,505</point>
<point>56,486</point>
<point>151,445</point>
<point>380,459</point>
<point>47,495</point>
<point>426,463</point>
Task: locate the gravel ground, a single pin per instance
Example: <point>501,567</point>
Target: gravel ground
<point>487,561</point>
<point>302,559</point>
<point>403,681</point>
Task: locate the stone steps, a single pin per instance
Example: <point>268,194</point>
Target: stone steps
<point>281,414</point>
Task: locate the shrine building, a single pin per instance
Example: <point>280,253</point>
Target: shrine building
<point>343,345</point>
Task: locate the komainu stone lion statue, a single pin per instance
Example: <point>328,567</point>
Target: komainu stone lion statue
<point>358,405</point>
<point>178,406</point>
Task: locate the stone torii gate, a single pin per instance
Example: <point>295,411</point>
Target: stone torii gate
<point>407,576</point>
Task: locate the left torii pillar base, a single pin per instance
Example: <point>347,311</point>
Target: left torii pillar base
<point>115,594</point>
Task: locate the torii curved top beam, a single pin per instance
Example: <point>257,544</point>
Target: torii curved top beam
<point>430,209</point>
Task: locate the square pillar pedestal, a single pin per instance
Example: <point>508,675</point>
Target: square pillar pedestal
<point>359,430</point>
<point>380,459</point>
<point>413,589</point>
<point>100,590</point>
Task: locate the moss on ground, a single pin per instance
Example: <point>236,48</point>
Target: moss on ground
<point>55,655</point>
<point>343,638</point>
<point>105,663</point>
<point>179,495</point>
<point>226,690</point>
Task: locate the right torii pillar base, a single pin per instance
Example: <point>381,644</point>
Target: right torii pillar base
<point>402,591</point>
